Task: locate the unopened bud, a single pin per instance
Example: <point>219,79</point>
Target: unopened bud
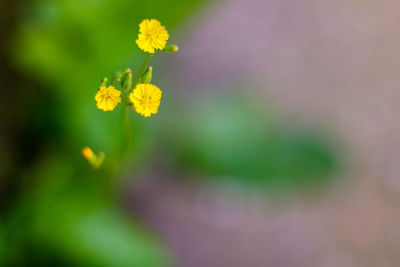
<point>147,75</point>
<point>99,160</point>
<point>116,76</point>
<point>87,153</point>
<point>126,82</point>
<point>94,160</point>
<point>103,82</point>
<point>171,49</point>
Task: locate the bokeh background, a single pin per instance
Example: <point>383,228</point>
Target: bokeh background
<point>276,143</point>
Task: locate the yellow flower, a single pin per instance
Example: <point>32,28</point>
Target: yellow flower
<point>94,160</point>
<point>152,36</point>
<point>107,98</point>
<point>146,98</point>
<point>87,153</point>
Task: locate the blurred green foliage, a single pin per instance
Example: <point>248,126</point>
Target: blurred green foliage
<point>64,222</point>
<point>232,135</point>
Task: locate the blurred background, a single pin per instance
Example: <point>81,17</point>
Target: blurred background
<point>276,142</point>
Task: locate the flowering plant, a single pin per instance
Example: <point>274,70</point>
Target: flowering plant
<point>136,91</point>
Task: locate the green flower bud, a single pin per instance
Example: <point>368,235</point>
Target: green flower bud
<point>104,82</point>
<point>147,75</point>
<point>117,76</point>
<point>171,49</point>
<point>126,80</point>
<point>99,160</point>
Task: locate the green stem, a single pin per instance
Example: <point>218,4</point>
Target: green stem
<point>126,128</point>
<point>125,123</point>
<point>140,72</point>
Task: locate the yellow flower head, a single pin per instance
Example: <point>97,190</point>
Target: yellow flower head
<point>146,98</point>
<point>152,36</point>
<point>107,98</point>
<point>94,160</point>
<point>87,153</point>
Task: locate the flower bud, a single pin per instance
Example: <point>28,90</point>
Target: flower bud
<point>87,153</point>
<point>116,76</point>
<point>147,75</point>
<point>103,82</point>
<point>94,160</point>
<point>99,160</point>
<point>126,80</point>
<point>171,49</point>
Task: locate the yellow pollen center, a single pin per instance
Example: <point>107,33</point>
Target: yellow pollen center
<point>146,101</point>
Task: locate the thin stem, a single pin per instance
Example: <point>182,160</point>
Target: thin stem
<point>125,122</point>
<point>126,128</point>
<point>141,71</point>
